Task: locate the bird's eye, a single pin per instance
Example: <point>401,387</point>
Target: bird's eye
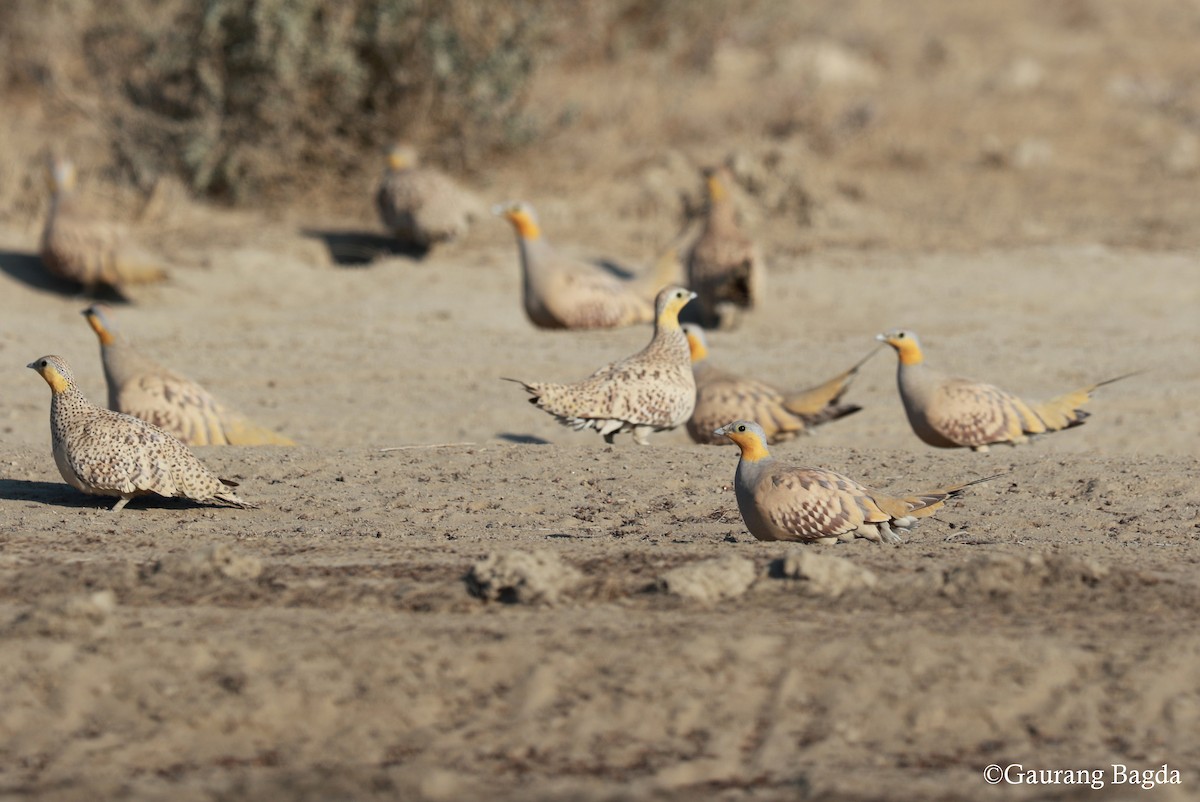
<point>42,364</point>
<point>742,428</point>
<point>900,335</point>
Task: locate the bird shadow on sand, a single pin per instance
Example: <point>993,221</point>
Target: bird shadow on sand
<point>360,248</point>
<point>27,268</point>
<point>55,494</point>
<point>58,494</point>
<point>522,439</point>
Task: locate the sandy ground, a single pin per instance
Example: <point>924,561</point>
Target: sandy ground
<point>445,595</point>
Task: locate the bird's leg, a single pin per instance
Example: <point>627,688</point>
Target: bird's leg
<point>121,502</point>
<point>887,535</point>
<point>979,449</point>
<point>868,532</point>
<point>608,438</point>
<point>639,435</point>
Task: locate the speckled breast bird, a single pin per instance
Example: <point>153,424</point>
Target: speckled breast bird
<point>724,266</point>
<point>563,293</point>
<point>949,412</point>
<point>813,505</point>
<point>422,206</point>
<point>721,397</point>
<point>139,386</point>
<point>77,246</point>
<point>106,453</point>
<point>651,391</point>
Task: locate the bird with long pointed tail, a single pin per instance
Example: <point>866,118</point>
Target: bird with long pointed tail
<point>559,292</point>
<point>422,206</point>
<point>813,505</point>
<point>724,266</point>
<point>722,397</point>
<point>106,453</point>
<point>78,246</point>
<point>139,386</point>
<point>651,391</point>
<point>949,412</point>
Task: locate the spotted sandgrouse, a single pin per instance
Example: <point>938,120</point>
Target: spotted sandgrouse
<point>106,453</point>
<point>651,391</point>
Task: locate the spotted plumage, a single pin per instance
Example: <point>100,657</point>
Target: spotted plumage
<point>139,386</point>
<point>78,246</point>
<point>422,206</point>
<point>563,293</point>
<point>949,412</point>
<point>651,391</point>
<point>106,453</point>
<point>724,266</point>
<point>721,397</point>
<point>780,502</point>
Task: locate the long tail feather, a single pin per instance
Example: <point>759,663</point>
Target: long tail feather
<point>814,401</point>
<point>1065,411</point>
<point>920,505</point>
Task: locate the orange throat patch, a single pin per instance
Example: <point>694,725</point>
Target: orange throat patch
<point>106,337</point>
<point>58,384</point>
<point>716,190</point>
<point>526,228</point>
<point>910,353</point>
<point>753,449</point>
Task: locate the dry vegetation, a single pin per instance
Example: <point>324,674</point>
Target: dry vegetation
<point>231,96</point>
<point>856,124</point>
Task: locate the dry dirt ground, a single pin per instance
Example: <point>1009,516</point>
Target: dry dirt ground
<point>445,595</point>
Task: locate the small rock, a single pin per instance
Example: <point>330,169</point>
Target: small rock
<point>1023,75</point>
<point>1030,153</point>
<point>710,581</point>
<point>1001,575</point>
<point>826,63</point>
<point>1183,157</point>
<point>81,616</point>
<point>824,575</point>
<point>518,577</point>
<point>219,560</point>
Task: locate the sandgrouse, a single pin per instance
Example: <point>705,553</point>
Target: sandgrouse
<point>422,206</point>
<point>564,293</point>
<point>949,412</point>
<point>78,246</point>
<point>780,502</point>
<point>724,266</point>
<point>651,391</point>
<point>721,397</point>
<point>106,453</point>
<point>139,386</point>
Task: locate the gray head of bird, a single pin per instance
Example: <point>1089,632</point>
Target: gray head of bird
<point>55,370</point>
<point>907,346</point>
<point>748,436</point>
<point>522,216</point>
<point>668,304</point>
<point>697,343</point>
<point>99,317</point>
<point>401,156</point>
<point>61,174</point>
